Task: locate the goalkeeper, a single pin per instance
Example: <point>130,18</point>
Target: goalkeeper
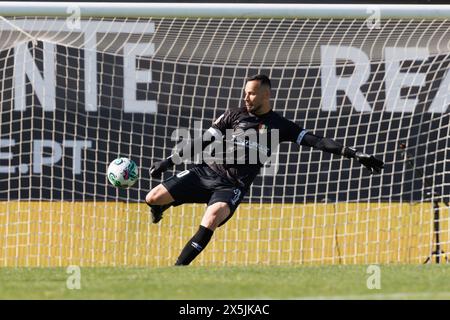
<point>223,185</point>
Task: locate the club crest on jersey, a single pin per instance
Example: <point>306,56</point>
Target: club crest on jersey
<point>262,128</point>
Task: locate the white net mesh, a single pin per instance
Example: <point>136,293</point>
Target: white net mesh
<point>78,93</point>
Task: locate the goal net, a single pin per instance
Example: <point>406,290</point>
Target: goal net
<point>83,85</point>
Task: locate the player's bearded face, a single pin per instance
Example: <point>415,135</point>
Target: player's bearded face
<point>254,96</point>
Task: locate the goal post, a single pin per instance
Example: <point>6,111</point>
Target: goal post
<point>222,10</point>
<point>84,83</point>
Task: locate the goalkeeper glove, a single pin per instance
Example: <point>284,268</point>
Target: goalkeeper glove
<point>161,166</point>
<point>369,161</point>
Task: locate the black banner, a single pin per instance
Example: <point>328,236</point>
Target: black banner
<point>64,153</point>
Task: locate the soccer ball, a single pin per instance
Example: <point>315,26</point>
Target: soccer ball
<point>122,172</point>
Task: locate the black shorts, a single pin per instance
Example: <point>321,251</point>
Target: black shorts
<point>201,184</point>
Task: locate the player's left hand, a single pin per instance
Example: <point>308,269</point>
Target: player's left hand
<point>160,167</point>
<point>370,162</point>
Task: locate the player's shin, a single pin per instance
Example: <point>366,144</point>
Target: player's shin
<point>194,246</point>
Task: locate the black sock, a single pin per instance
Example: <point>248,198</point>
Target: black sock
<point>194,246</point>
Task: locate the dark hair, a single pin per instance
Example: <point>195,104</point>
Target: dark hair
<point>265,81</point>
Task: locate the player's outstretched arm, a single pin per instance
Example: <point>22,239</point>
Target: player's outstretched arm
<point>325,144</point>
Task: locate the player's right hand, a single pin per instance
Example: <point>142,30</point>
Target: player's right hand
<point>158,168</point>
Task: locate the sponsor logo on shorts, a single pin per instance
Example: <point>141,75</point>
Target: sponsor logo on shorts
<point>237,195</point>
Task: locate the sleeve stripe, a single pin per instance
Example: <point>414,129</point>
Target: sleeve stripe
<point>301,135</point>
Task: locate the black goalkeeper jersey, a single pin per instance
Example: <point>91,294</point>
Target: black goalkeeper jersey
<point>234,126</point>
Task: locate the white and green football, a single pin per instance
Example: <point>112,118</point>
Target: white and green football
<point>122,172</point>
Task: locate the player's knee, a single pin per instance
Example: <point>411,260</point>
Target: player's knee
<point>150,198</point>
<point>153,197</point>
<point>158,196</point>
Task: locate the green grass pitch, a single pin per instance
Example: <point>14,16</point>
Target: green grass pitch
<point>250,282</point>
